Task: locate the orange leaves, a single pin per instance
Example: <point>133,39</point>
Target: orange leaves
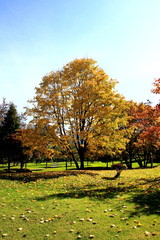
<point>156,84</point>
<point>150,137</point>
<point>145,120</point>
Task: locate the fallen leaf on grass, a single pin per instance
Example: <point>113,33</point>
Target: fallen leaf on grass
<point>91,236</point>
<point>19,229</point>
<point>89,219</point>
<point>147,233</point>
<point>139,224</point>
<point>113,225</point>
<point>4,235</point>
<point>154,233</point>
<point>136,221</point>
<point>79,236</point>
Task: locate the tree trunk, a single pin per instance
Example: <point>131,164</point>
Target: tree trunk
<point>139,160</point>
<point>75,161</point>
<point>107,165</point>
<point>118,174</point>
<point>145,159</point>
<point>9,165</point>
<point>22,164</point>
<point>77,166</point>
<point>130,160</point>
<point>151,160</point>
<point>82,164</point>
<point>81,155</point>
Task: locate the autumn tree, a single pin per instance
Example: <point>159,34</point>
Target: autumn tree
<point>145,137</point>
<point>77,113</point>
<point>156,85</point>
<point>148,133</point>
<point>149,139</point>
<point>156,90</point>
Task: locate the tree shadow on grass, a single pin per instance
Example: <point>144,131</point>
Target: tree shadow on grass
<point>147,203</point>
<point>93,194</point>
<point>148,200</point>
<point>34,176</point>
<point>109,178</point>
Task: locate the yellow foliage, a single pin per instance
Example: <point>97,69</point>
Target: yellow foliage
<point>77,112</point>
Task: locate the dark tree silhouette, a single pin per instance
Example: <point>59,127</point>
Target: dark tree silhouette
<point>10,148</point>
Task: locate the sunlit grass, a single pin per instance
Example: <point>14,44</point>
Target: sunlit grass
<point>82,205</point>
<point>61,166</point>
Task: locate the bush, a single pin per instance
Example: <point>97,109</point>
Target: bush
<point>119,167</point>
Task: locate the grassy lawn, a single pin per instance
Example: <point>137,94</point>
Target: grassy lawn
<point>61,166</point>
<point>83,205</point>
<point>55,166</point>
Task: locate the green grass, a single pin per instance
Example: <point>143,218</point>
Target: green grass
<point>61,166</point>
<point>71,204</point>
<point>52,166</point>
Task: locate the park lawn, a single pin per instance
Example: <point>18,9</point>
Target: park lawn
<point>61,166</point>
<point>81,205</point>
<point>55,166</point>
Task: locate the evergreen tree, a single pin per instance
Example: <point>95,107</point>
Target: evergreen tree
<point>11,122</point>
<point>3,110</point>
<point>10,148</point>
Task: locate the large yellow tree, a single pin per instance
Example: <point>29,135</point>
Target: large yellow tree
<point>77,113</point>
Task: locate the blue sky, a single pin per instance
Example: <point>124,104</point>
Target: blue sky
<point>38,36</point>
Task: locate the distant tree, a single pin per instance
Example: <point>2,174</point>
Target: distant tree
<point>156,90</point>
<point>10,148</point>
<point>77,113</point>
<point>11,121</point>
<point>144,137</point>
<point>3,110</point>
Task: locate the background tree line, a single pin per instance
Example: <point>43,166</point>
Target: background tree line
<point>77,115</point>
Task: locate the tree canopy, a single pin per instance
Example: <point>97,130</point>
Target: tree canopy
<point>77,113</point>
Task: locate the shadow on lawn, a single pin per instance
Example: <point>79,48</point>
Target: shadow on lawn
<point>148,201</point>
<point>93,194</point>
<point>34,176</point>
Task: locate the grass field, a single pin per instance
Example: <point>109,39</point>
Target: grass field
<point>61,166</point>
<point>80,205</point>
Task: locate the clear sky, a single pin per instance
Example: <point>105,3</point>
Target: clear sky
<point>38,36</point>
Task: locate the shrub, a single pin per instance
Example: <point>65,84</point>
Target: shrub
<point>119,167</point>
